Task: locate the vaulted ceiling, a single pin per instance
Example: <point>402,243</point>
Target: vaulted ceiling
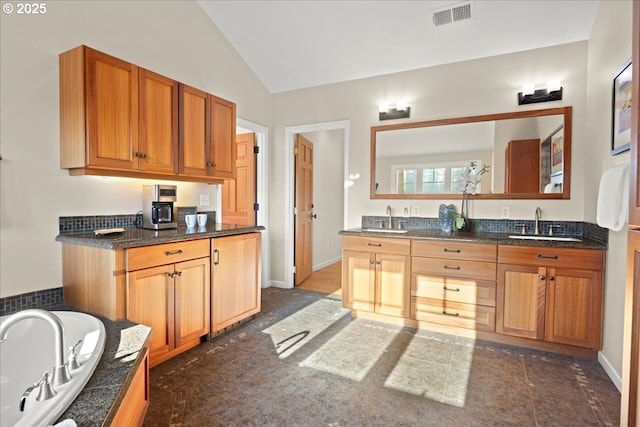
<point>297,44</point>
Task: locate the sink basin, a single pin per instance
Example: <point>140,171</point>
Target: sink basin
<point>548,238</point>
<point>384,230</point>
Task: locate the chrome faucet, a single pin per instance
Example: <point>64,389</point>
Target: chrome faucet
<point>60,371</point>
<point>389,214</point>
<point>536,231</point>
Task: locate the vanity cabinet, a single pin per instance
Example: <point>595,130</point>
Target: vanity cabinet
<point>375,275</point>
<point>235,286</point>
<point>207,134</point>
<point>119,119</point>
<point>551,294</point>
<point>168,289</point>
<point>454,284</point>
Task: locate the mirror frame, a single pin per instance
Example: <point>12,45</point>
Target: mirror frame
<point>567,112</point>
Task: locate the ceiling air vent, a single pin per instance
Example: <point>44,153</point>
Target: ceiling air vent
<point>458,13</point>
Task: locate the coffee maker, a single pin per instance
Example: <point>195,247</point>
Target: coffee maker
<point>157,206</point>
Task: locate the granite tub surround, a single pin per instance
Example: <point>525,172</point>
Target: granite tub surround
<point>100,399</point>
<point>305,361</point>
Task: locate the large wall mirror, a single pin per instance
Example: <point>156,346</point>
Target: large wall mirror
<point>528,154</point>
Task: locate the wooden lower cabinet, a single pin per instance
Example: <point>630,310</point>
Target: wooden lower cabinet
<point>135,403</point>
<point>454,284</point>
<point>174,300</point>
<point>376,281</point>
<point>235,285</point>
<point>552,303</point>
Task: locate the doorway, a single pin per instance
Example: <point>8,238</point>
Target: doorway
<point>290,136</point>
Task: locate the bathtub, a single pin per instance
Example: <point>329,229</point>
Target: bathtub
<point>29,350</point>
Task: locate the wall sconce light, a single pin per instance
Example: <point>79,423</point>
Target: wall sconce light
<point>531,95</point>
<point>397,111</point>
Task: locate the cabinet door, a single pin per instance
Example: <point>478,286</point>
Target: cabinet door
<point>574,307</point>
<point>150,302</point>
<point>521,301</point>
<point>392,284</point>
<point>236,279</point>
<point>223,133</point>
<point>192,296</point>
<point>135,403</point>
<point>112,111</point>
<point>358,280</point>
<point>158,124</point>
<point>194,131</point>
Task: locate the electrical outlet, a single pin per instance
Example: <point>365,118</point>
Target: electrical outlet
<point>406,211</point>
<point>204,200</point>
<point>505,212</point>
<point>415,211</point>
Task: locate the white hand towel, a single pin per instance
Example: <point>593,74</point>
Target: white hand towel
<point>613,198</point>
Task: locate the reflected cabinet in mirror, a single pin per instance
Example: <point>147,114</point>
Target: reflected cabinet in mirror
<point>525,155</point>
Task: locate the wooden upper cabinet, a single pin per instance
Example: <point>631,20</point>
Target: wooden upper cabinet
<point>158,123</point>
<point>194,131</point>
<point>222,151</point>
<point>119,119</point>
<point>98,110</point>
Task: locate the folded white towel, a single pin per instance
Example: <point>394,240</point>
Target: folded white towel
<point>613,198</point>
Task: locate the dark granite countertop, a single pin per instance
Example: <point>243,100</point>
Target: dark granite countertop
<point>134,237</point>
<point>478,237</point>
<point>98,402</point>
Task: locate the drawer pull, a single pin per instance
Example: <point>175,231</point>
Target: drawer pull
<point>178,252</point>
<point>451,289</point>
<point>540,256</point>
<point>452,250</point>
<point>216,259</point>
<point>375,244</point>
<point>450,314</point>
<point>452,268</point>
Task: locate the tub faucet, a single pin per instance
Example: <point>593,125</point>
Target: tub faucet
<point>389,215</point>
<point>536,231</point>
<point>60,371</point>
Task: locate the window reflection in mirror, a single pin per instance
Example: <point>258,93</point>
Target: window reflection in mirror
<point>527,153</point>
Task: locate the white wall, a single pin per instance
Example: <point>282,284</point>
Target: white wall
<point>609,49</point>
<point>482,86</point>
<point>328,195</point>
<point>174,38</point>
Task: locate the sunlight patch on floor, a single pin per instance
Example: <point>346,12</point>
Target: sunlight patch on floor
<point>298,329</point>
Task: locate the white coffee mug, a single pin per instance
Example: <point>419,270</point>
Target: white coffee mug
<point>190,220</point>
<point>202,220</point>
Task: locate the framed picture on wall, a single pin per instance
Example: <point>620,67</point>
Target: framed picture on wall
<point>557,152</point>
<point>621,110</point>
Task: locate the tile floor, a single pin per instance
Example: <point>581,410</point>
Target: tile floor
<point>304,361</point>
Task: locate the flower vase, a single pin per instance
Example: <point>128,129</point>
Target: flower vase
<point>463,223</point>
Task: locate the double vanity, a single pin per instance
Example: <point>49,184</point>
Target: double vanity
<point>534,291</point>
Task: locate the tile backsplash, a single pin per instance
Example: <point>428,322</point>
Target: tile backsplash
<point>88,223</point>
<point>38,299</point>
<point>511,226</point>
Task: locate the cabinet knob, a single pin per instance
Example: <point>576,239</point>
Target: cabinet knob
<point>378,262</point>
<point>551,278</point>
<point>143,155</point>
<point>209,164</point>
<point>136,154</point>
<point>542,277</point>
<point>371,261</point>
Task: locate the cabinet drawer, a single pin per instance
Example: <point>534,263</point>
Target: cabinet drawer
<point>468,316</point>
<point>457,290</point>
<point>150,256</point>
<point>454,250</point>
<point>376,244</point>
<point>585,259</point>
<point>454,268</point>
